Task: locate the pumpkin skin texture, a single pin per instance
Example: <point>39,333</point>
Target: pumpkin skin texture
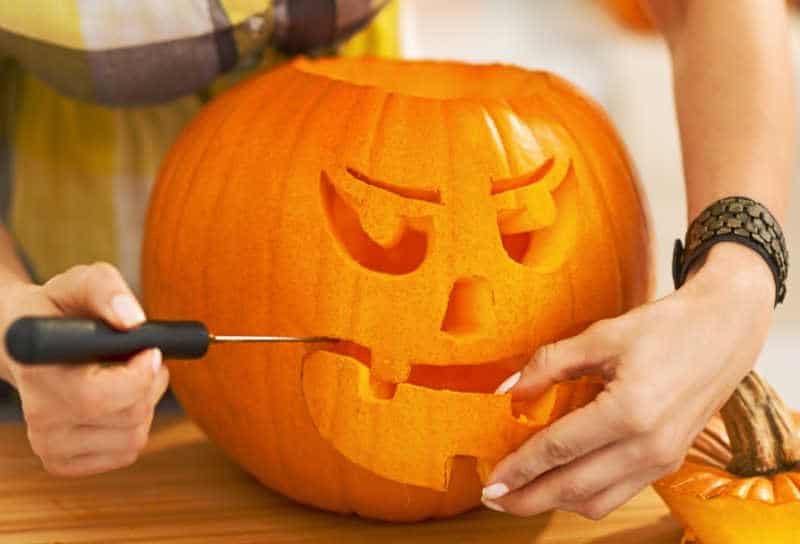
<point>443,220</point>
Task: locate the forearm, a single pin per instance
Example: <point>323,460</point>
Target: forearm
<point>12,275</point>
<point>734,98</point>
<point>12,271</point>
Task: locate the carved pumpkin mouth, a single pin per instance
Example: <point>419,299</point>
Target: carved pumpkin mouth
<point>479,377</point>
<point>411,432</point>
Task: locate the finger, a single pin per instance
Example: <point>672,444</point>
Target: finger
<point>577,434</point>
<point>96,290</point>
<point>615,496</point>
<point>83,440</point>
<point>160,385</point>
<point>576,482</point>
<point>96,391</point>
<point>136,414</point>
<point>564,360</point>
<point>86,465</point>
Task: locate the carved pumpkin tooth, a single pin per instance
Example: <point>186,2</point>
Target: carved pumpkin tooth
<point>354,198</point>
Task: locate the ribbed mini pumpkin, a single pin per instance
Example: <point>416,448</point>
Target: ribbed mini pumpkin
<point>442,220</point>
<point>740,483</point>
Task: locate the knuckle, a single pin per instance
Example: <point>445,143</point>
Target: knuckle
<point>575,491</point>
<point>137,439</point>
<point>37,420</point>
<point>77,271</point>
<point>663,451</point>
<point>639,421</point>
<point>90,403</point>
<point>636,414</point>
<point>524,471</point>
<point>558,452</point>
<point>545,357</point>
<point>126,459</point>
<point>137,414</point>
<point>103,271</point>
<point>593,511</point>
<point>40,443</point>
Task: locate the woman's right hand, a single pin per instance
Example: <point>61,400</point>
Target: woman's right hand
<point>89,418</point>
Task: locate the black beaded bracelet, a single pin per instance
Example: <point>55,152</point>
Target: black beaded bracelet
<point>735,219</point>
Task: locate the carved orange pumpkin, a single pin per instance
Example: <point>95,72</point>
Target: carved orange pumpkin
<point>742,485</point>
<point>443,220</point>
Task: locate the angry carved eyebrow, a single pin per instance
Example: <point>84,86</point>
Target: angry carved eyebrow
<point>427,195</point>
<point>509,184</point>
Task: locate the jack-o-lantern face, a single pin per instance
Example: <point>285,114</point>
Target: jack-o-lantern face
<point>441,220</point>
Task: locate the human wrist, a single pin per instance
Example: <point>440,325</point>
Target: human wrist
<point>734,270</point>
<point>12,306</point>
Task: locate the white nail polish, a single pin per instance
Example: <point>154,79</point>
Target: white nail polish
<point>127,309</point>
<point>510,382</point>
<point>494,491</point>
<point>493,506</point>
<point>156,361</point>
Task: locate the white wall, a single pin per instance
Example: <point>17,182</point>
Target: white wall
<point>628,74</point>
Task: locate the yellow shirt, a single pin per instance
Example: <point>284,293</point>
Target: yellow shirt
<point>93,93</point>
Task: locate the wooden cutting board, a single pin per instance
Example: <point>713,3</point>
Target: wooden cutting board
<point>183,490</point>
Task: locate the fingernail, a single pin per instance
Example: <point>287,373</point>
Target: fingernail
<point>494,491</point>
<point>155,360</point>
<point>127,310</point>
<point>492,505</point>
<point>510,382</point>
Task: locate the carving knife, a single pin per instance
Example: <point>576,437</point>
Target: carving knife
<point>58,340</point>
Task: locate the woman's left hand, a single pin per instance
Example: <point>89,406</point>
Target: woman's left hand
<point>668,365</point>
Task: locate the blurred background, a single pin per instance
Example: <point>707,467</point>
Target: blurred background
<point>627,70</point>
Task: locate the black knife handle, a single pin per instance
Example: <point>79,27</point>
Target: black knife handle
<point>52,340</point>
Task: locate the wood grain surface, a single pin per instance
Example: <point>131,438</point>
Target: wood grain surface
<point>183,490</point>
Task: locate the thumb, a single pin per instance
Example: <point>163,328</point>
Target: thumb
<point>96,290</point>
<point>560,361</point>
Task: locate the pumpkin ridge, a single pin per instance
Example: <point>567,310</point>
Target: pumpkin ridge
<point>587,108</point>
<point>309,107</point>
<point>184,190</point>
<point>253,252</point>
<point>285,97</point>
<point>378,130</point>
<point>281,93</point>
<point>599,194</point>
<point>197,166</point>
<point>497,138</point>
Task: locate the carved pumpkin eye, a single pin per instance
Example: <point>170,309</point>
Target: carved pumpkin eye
<point>378,241</point>
<point>537,224</point>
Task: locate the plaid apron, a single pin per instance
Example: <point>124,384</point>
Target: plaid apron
<point>93,93</point>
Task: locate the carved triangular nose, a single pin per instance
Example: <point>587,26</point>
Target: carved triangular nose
<point>470,308</point>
